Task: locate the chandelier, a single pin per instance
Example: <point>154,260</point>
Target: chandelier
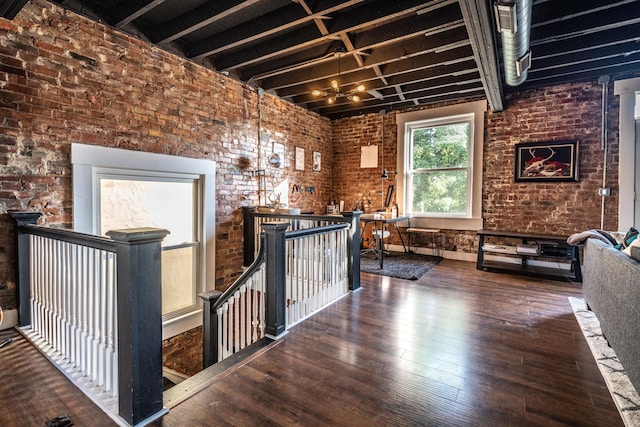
<point>336,92</point>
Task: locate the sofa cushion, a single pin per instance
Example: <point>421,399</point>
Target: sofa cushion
<point>629,237</point>
<point>635,243</point>
<point>635,252</point>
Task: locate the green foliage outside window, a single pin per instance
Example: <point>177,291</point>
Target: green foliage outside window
<point>440,159</point>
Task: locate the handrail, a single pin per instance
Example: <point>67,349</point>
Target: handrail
<point>305,232</point>
<point>308,217</point>
<point>246,275</point>
<point>82,239</point>
<point>253,217</point>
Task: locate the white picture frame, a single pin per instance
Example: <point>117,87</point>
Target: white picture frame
<point>299,158</point>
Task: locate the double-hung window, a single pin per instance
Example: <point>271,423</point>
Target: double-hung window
<point>440,163</point>
<point>439,173</point>
<point>114,189</point>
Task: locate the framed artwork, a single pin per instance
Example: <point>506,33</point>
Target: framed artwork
<point>546,161</point>
<point>317,161</point>
<point>299,158</point>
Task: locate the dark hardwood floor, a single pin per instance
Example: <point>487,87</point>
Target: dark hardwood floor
<point>459,347</point>
<point>33,392</point>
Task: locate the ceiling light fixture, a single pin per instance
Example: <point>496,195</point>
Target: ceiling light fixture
<point>336,92</point>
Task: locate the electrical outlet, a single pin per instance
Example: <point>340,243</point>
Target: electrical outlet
<point>604,191</point>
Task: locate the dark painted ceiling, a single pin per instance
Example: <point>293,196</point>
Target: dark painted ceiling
<point>405,52</point>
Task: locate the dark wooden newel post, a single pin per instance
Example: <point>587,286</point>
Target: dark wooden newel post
<point>276,275</point>
<point>139,322</point>
<point>22,260</point>
<point>353,253</point>
<point>209,327</point>
<point>249,234</point>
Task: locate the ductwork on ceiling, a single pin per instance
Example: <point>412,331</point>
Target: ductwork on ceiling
<point>513,18</point>
<point>10,8</point>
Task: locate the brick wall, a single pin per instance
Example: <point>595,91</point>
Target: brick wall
<point>362,185</point>
<point>66,79</point>
<point>183,353</point>
<point>571,111</point>
<point>565,112</point>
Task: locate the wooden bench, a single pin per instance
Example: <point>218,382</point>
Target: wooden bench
<point>433,234</point>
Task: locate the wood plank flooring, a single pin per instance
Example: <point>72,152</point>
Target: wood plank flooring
<point>459,347</point>
<point>32,391</point>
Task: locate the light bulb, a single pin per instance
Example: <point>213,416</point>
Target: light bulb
<point>361,88</point>
<point>355,98</point>
<point>331,99</point>
<point>334,84</point>
<point>316,92</point>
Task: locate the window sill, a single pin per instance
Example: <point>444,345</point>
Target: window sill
<point>184,323</point>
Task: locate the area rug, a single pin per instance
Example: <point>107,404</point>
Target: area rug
<point>410,266</point>
<point>621,389</point>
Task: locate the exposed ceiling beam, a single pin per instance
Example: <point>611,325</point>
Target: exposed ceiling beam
<point>404,50</point>
<point>132,10</point>
<point>194,20</point>
<point>358,18</point>
<point>276,22</point>
<point>481,31</point>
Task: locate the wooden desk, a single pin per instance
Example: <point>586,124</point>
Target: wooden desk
<point>379,222</point>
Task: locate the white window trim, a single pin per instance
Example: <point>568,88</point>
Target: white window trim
<point>410,127</point>
<point>87,161</point>
<point>478,108</point>
<point>628,205</point>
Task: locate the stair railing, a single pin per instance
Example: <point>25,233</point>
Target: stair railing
<point>93,306</point>
<point>293,275</point>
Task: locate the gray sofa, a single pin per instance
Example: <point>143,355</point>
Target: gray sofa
<point>611,287</point>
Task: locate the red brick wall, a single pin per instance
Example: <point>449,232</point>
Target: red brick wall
<point>365,185</point>
<point>183,353</point>
<point>66,79</point>
<point>571,111</point>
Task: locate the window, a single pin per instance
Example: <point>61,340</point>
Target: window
<point>114,188</point>
<point>440,165</point>
<point>629,137</point>
<point>128,201</point>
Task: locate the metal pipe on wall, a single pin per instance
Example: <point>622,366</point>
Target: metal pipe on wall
<point>384,175</point>
<point>604,80</point>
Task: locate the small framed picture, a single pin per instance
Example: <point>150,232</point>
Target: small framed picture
<point>317,161</point>
<point>299,158</point>
<point>546,161</point>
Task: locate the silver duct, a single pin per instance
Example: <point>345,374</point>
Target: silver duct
<point>514,23</point>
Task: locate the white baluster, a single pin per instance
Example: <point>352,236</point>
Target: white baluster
<point>110,319</point>
<point>235,337</point>
<point>73,306</point>
<point>101,317</point>
<point>34,271</point>
<point>243,314</point>
<point>225,330</point>
<point>261,302</point>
